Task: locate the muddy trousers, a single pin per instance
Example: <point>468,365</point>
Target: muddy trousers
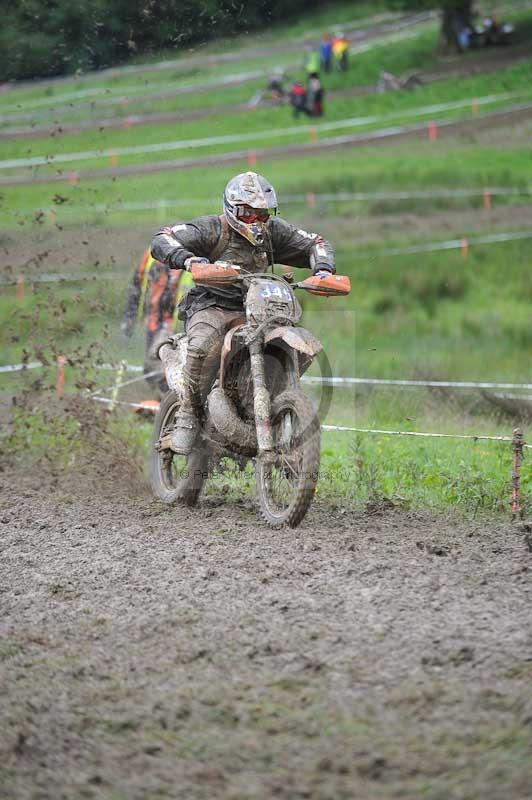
<point>157,381</point>
<point>205,335</point>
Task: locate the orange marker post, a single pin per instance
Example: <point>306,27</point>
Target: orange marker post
<point>464,248</point>
<point>60,385</point>
<point>20,288</point>
<point>432,131</point>
<point>313,134</point>
<point>311,199</point>
<point>474,108</point>
<point>487,199</point>
<point>73,178</point>
<point>113,160</point>
<point>252,158</point>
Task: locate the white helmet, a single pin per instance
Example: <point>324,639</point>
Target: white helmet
<point>249,199</point>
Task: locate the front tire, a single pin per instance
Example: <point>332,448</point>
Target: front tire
<point>286,485</point>
<point>175,478</point>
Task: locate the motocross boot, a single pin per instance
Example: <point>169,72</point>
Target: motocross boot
<point>187,419</point>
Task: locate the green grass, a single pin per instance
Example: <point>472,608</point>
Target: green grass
<point>293,34</point>
<point>434,315</point>
<point>451,163</point>
<point>269,124</point>
<point>398,53</point>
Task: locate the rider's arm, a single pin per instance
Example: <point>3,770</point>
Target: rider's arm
<point>174,246</point>
<point>297,248</point>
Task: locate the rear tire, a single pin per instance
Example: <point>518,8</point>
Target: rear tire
<point>286,487</point>
<point>175,478</point>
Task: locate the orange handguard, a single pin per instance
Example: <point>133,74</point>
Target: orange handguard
<point>213,274</point>
<point>331,286</point>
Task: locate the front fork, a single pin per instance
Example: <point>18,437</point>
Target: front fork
<point>261,401</point>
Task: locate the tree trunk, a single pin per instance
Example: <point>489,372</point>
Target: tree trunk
<point>456,14</point>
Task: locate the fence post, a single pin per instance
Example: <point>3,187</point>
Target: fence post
<point>20,287</point>
<point>116,388</point>
<point>517,455</point>
<point>60,385</point>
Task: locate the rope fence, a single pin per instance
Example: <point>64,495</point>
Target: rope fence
<point>463,244</point>
<point>311,199</point>
<point>265,134</point>
<point>312,380</point>
<point>518,444</point>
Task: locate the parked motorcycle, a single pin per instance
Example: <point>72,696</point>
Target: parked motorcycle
<point>256,408</point>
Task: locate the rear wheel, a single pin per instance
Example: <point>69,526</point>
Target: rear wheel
<point>286,485</point>
<point>175,478</point>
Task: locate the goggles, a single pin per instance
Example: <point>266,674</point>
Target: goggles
<point>249,215</point>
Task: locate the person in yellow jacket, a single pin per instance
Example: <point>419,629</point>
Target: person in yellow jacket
<point>152,297</point>
<point>340,52</point>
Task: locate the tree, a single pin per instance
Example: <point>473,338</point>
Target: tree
<point>41,38</point>
<point>455,15</point>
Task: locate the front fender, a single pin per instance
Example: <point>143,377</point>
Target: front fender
<point>299,339</point>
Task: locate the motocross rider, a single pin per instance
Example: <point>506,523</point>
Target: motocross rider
<point>249,235</point>
<point>151,297</point>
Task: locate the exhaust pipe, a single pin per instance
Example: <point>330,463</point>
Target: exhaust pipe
<point>227,422</point>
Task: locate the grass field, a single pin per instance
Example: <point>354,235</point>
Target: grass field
<point>437,315</point>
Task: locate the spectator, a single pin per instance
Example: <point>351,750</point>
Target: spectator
<point>340,52</point>
<point>326,53</point>
<point>298,99</point>
<point>275,86</point>
<point>312,61</point>
<point>314,96</point>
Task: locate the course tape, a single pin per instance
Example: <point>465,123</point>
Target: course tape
<point>452,244</point>
<point>345,428</point>
<point>109,401</point>
<point>436,384</point>
<point>426,247</point>
<point>61,278</point>
<point>269,134</point>
<point>313,380</point>
<point>471,437</point>
<point>296,148</point>
<point>335,428</point>
<point>309,198</point>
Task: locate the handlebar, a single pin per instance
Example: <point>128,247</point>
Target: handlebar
<point>222,274</point>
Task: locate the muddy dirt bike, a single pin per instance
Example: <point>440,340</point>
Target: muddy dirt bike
<point>256,408</point>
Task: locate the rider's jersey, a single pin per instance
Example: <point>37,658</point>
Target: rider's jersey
<point>212,238</point>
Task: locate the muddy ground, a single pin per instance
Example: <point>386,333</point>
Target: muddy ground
<point>148,652</point>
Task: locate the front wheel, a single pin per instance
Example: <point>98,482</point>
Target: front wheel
<point>286,483</point>
<point>175,478</point>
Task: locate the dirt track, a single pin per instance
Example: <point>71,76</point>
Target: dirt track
<point>154,653</point>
